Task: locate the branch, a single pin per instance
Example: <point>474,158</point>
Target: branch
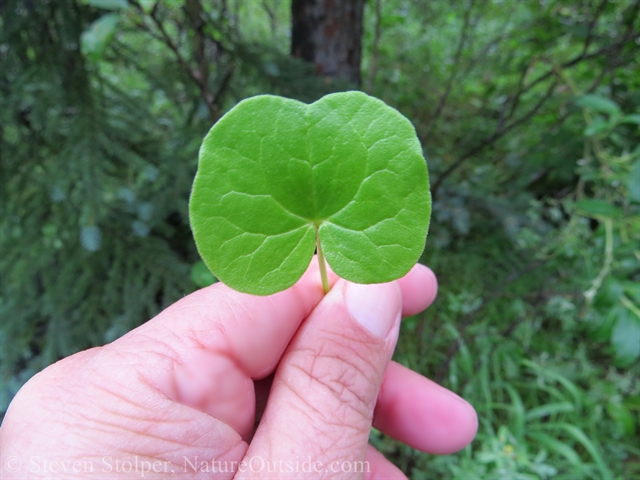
<point>194,10</point>
<point>592,24</point>
<point>515,99</point>
<point>376,45</point>
<point>224,83</point>
<point>198,76</point>
<point>456,62</point>
<point>273,20</point>
<point>492,139</point>
<point>630,37</point>
<point>166,39</point>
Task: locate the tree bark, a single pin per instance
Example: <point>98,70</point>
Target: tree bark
<point>328,33</point>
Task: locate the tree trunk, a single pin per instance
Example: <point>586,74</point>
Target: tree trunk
<point>328,33</point>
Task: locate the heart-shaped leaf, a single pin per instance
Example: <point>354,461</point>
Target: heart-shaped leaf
<point>276,176</point>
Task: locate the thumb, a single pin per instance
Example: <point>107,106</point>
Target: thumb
<point>321,404</point>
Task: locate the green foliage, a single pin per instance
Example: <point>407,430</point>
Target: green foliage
<point>529,123</point>
<point>608,170</point>
<point>96,38</point>
<point>278,177</point>
<point>93,224</point>
<point>98,158</point>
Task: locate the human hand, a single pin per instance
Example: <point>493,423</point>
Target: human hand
<point>177,396</point>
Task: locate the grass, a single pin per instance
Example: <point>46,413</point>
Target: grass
<point>510,339</point>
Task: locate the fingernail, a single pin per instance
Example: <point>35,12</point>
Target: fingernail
<point>432,285</point>
<point>375,307</point>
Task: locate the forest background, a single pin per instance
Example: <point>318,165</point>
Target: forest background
<point>528,112</point>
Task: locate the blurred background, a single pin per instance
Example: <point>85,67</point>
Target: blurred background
<point>528,112</point>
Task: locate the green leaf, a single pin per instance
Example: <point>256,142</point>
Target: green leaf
<point>598,208</point>
<point>599,104</point>
<point>147,5</point>
<point>389,21</point>
<point>274,173</point>
<point>622,416</point>
<point>549,409</point>
<point>603,325</point>
<point>201,276</point>
<point>625,338</point>
<point>633,290</point>
<point>633,118</point>
<point>108,4</point>
<point>175,4</point>
<point>95,39</point>
<point>597,126</point>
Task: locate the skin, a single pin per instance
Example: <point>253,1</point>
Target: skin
<point>227,385</point>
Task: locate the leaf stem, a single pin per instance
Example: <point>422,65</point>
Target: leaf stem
<point>608,260</point>
<point>323,266</point>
